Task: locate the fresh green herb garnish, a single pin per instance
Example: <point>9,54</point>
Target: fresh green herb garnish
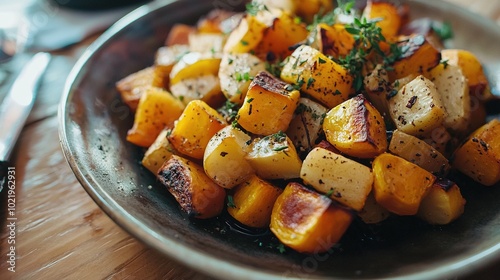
<point>230,201</point>
<point>444,62</point>
<point>281,248</point>
<point>253,8</point>
<point>444,30</point>
<point>278,149</point>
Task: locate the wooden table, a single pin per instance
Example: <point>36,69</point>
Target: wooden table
<point>61,233</point>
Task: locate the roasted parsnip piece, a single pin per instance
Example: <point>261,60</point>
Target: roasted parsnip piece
<point>400,185</point>
<point>269,105</point>
<point>342,179</point>
<point>307,221</point>
<point>253,202</point>
<point>158,153</point>
<point>194,128</point>
<point>157,110</point>
<point>417,108</point>
<point>443,204</point>
<point>479,156</point>
<point>318,76</point>
<point>378,88</point>
<point>307,125</point>
<point>356,128</point>
<point>274,157</point>
<point>206,42</point>
<point>472,70</point>
<point>198,196</point>
<point>236,72</point>
<point>418,152</point>
<point>454,91</point>
<point>205,88</point>
<point>372,212</point>
<point>213,22</point>
<point>225,157</point>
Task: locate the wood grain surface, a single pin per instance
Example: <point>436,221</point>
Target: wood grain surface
<point>60,232</point>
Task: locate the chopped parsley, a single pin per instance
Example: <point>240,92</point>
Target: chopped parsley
<point>253,8</point>
<point>230,202</point>
<point>443,30</point>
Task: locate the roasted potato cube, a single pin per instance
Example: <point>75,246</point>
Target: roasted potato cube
<point>197,124</point>
<point>307,221</point>
<point>158,153</point>
<point>307,125</point>
<point>269,105</point>
<point>388,12</point>
<point>246,36</point>
<point>443,204</point>
<point>454,91</point>
<point>194,65</point>
<point>253,202</point>
<point>417,108</point>
<point>197,195</point>
<point>472,70</point>
<point>206,42</point>
<point>400,185</point>
<point>274,157</point>
<point>205,88</point>
<point>356,128</point>
<point>157,110</point>
<point>133,86</point>
<point>236,73</point>
<point>318,76</point>
<point>418,152</point>
<point>419,56</point>
<point>479,156</point>
<point>333,40</point>
<point>166,58</point>
<point>372,212</point>
<point>342,179</point>
<point>224,159</point>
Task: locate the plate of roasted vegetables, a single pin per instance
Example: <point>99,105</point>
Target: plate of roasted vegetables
<point>295,139</point>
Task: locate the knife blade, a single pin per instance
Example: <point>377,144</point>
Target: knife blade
<point>16,107</point>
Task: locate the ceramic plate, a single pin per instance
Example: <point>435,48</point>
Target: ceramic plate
<point>94,123</point>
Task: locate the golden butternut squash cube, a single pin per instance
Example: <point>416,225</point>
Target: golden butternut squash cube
<point>343,180</point>
<point>472,69</point>
<point>372,212</point>
<point>133,86</point>
<point>269,105</point>
<point>205,88</point>
<point>274,157</point>
<point>389,14</point>
<point>308,9</point>
<point>157,110</point>
<point>246,36</point>
<point>419,56</point>
<point>417,108</point>
<point>307,125</point>
<point>479,156</point>
<point>194,65</point>
<point>253,202</point>
<point>225,157</point>
<point>236,72</point>
<point>166,58</point>
<point>399,185</point>
<point>356,128</point>
<point>454,91</point>
<point>418,152</point>
<point>318,76</point>
<point>197,124</point>
<point>333,40</point>
<point>158,153</point>
<point>307,221</point>
<point>443,204</point>
<point>281,35</point>
<point>197,195</point>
